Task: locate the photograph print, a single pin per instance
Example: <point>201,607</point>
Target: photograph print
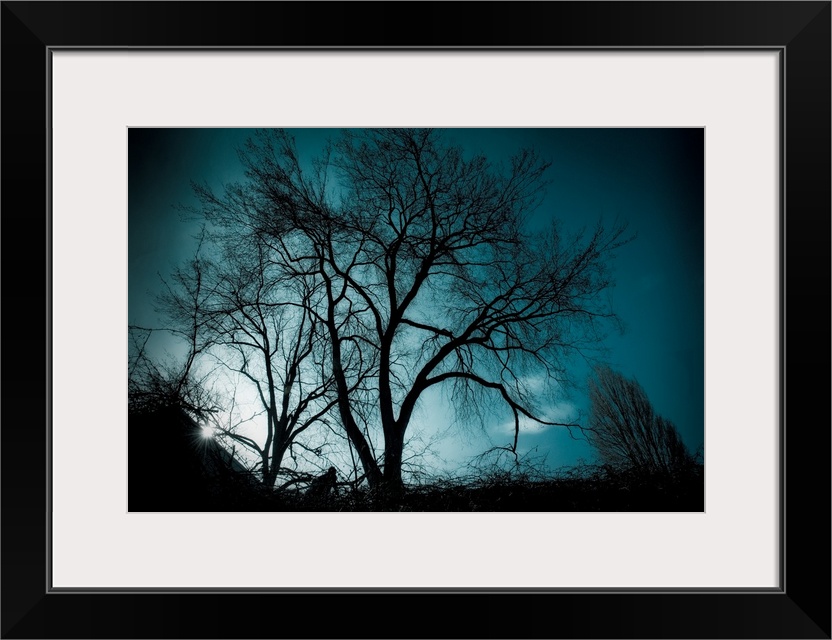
<point>422,320</point>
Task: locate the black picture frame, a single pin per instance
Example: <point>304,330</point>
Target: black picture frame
<point>799,608</point>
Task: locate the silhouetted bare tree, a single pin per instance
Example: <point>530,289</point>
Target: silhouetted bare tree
<point>424,273</point>
<point>625,429</point>
<point>231,303</point>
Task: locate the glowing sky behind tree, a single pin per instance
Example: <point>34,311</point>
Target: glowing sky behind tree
<point>652,179</point>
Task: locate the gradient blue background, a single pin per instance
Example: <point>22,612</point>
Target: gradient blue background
<point>652,179</point>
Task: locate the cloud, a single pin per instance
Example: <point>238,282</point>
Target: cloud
<point>559,412</point>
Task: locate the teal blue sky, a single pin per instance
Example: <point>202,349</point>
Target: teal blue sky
<point>652,179</point>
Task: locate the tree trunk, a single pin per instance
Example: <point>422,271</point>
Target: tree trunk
<point>276,461</point>
<point>393,448</point>
<point>365,454</point>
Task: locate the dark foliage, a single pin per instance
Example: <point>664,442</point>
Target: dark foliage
<point>173,467</point>
<point>585,489</point>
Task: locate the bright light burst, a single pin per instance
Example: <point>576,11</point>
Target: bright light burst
<point>208,432</point>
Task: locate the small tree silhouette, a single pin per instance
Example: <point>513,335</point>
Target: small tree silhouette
<point>626,431</point>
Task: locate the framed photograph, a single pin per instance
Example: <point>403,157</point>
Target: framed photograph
<point>467,390</point>
<point>706,126</point>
